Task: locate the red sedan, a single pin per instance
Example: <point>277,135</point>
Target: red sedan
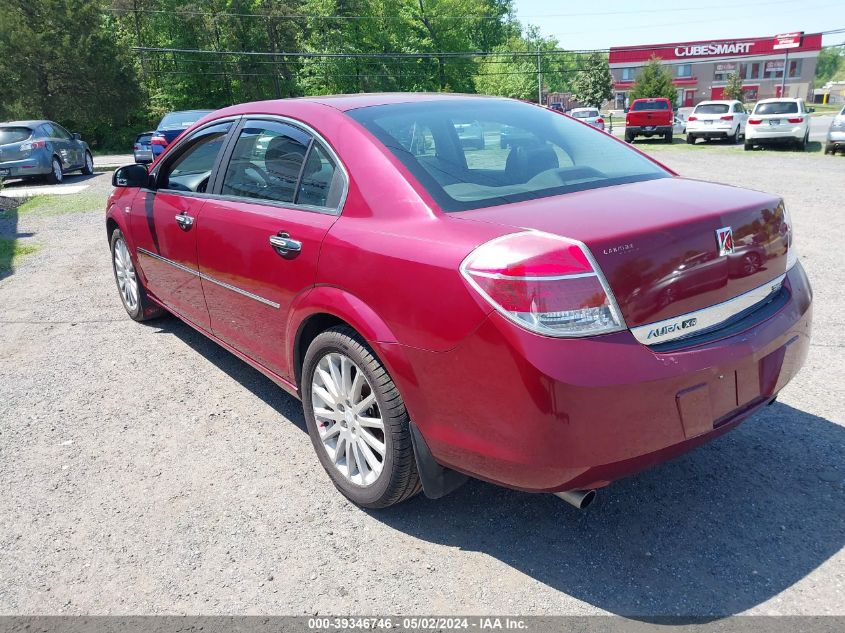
<point>549,313</point>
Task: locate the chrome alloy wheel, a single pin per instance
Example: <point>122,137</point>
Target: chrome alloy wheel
<point>125,272</point>
<point>57,170</point>
<point>348,419</point>
<point>89,162</point>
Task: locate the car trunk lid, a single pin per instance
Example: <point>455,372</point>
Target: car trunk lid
<point>656,241</point>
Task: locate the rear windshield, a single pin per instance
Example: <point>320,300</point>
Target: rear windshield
<point>777,107</point>
<point>143,138</point>
<point>525,152</point>
<point>14,134</point>
<point>585,114</point>
<point>712,108</point>
<point>649,105</point>
<point>181,120</point>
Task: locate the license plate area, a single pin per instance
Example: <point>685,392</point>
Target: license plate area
<point>774,121</point>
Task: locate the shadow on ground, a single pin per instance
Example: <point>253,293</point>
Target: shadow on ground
<point>711,534</point>
<point>9,234</point>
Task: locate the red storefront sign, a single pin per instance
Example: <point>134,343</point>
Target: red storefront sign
<point>709,49</point>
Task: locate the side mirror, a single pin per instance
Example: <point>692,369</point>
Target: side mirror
<point>811,109</point>
<point>626,110</point>
<point>131,176</point>
<point>77,136</point>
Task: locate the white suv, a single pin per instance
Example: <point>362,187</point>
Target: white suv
<point>717,119</point>
<point>779,121</point>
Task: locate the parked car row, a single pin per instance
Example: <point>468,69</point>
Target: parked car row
<point>43,149</point>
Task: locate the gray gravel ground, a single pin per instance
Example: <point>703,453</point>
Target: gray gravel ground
<point>145,470</point>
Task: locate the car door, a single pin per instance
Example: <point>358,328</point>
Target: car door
<point>259,238</point>
<point>164,222</point>
<point>68,147</point>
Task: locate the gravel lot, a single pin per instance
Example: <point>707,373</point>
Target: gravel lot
<point>145,470</point>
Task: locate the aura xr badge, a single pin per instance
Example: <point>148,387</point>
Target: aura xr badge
<point>725,240</point>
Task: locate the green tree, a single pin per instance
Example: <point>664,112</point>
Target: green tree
<point>64,60</point>
<point>593,84</point>
<point>515,76</point>
<point>654,81</point>
<point>830,61</point>
<point>733,89</point>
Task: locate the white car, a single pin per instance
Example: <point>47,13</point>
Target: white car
<point>779,121</point>
<point>717,119</point>
<point>836,134</point>
<point>588,115</point>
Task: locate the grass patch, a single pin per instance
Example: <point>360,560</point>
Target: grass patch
<point>10,250</point>
<point>822,109</point>
<point>61,204</point>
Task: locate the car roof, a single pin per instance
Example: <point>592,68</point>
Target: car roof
<point>779,100</point>
<point>29,123</point>
<point>362,100</point>
<point>717,102</point>
<point>582,109</point>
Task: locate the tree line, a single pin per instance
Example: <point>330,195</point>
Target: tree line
<point>111,68</point>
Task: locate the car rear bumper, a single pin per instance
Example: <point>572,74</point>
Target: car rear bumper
<point>545,414</point>
<point>836,137</point>
<point>143,156</point>
<point>710,131</point>
<point>36,165</point>
<point>762,132</point>
<point>648,130</point>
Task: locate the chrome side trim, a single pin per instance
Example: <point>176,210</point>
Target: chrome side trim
<point>692,323</point>
<point>210,279</point>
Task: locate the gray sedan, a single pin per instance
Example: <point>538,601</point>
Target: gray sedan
<point>41,148</point>
<point>836,134</point>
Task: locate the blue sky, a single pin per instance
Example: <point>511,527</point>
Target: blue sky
<point>601,25</point>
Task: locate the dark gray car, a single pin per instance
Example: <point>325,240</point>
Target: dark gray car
<point>41,148</point>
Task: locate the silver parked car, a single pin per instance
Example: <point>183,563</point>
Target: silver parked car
<point>588,115</point>
<point>836,134</point>
<point>143,149</point>
<point>41,148</point>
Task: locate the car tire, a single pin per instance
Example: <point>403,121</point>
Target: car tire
<point>803,145</point>
<point>88,167</point>
<point>668,137</point>
<point>629,138</point>
<point>397,478</point>
<point>56,176</point>
<point>733,139</point>
<point>829,149</point>
<point>748,146</point>
<point>129,285</point>
<point>690,139</point>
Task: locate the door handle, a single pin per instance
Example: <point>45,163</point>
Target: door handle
<point>184,221</point>
<point>284,245</point>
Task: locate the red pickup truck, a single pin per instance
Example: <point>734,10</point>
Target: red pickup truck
<point>649,117</point>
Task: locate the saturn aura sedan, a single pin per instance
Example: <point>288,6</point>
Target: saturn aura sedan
<point>445,312</point>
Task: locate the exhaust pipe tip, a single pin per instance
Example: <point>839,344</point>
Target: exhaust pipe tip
<point>578,498</point>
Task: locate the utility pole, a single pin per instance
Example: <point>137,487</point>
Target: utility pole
<point>539,77</point>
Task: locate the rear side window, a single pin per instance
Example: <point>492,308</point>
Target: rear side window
<point>649,105</point>
<point>143,139</point>
<point>14,134</point>
<point>181,120</point>
<point>712,108</point>
<point>190,169</point>
<point>777,107</point>
<point>523,151</point>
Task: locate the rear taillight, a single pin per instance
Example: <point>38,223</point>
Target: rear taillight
<point>158,140</point>
<point>755,121</point>
<point>693,118</point>
<point>27,147</point>
<point>548,284</point>
<point>137,147</point>
<point>796,120</point>
<point>729,117</point>
<point>791,253</point>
